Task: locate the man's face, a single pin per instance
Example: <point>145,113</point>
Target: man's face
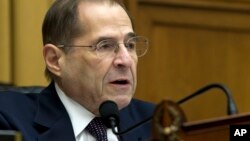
<point>90,79</point>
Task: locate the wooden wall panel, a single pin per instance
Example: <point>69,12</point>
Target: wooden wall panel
<point>192,45</point>
<point>5,34</point>
<point>27,42</point>
<point>21,61</point>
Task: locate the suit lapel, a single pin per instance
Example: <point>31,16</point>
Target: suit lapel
<point>51,120</point>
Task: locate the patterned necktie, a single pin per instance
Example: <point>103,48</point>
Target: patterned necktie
<point>97,129</point>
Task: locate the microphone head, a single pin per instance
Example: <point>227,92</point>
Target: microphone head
<point>109,113</point>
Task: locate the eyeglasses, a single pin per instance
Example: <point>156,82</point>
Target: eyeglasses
<point>136,46</point>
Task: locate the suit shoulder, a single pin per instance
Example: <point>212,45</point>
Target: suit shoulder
<point>15,95</point>
<point>137,111</point>
<point>10,99</point>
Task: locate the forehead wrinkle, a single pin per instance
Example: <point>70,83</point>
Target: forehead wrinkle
<point>116,25</point>
<point>115,13</point>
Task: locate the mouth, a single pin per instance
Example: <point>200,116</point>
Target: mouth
<point>120,82</point>
<point>121,86</point>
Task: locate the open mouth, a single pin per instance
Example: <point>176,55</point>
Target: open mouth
<point>120,82</point>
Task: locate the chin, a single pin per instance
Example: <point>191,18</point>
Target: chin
<point>122,102</point>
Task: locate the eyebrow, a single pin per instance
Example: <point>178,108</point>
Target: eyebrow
<point>128,35</point>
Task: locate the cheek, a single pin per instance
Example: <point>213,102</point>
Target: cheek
<point>90,71</point>
<point>77,67</point>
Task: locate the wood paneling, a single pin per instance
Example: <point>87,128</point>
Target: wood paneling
<point>5,35</point>
<point>27,42</point>
<point>193,44</point>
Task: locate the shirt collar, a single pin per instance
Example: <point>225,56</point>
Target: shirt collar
<point>79,116</point>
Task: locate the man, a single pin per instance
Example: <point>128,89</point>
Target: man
<point>91,53</point>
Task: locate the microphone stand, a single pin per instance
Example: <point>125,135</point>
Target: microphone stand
<point>232,109</point>
<point>231,106</point>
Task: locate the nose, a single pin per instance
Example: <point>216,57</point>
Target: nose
<point>123,58</point>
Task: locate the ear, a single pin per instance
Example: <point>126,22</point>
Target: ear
<point>52,56</point>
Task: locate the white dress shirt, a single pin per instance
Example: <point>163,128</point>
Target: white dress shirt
<point>80,117</point>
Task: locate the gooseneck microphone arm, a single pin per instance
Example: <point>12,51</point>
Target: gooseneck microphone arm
<point>132,127</point>
<point>231,106</point>
<point>110,113</point>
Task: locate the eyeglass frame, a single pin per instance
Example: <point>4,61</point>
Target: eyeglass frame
<point>95,46</point>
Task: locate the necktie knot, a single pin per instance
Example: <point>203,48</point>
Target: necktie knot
<point>97,129</point>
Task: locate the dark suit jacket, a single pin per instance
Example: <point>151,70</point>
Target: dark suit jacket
<point>42,117</point>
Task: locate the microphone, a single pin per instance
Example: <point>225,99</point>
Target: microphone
<point>231,106</point>
<point>110,114</point>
